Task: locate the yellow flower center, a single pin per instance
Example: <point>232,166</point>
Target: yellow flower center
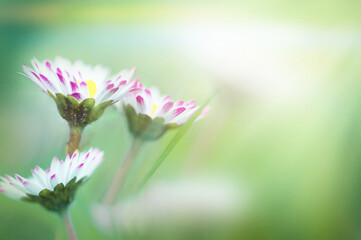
<point>153,110</point>
<point>92,88</point>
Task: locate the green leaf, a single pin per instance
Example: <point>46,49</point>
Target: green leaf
<point>173,143</point>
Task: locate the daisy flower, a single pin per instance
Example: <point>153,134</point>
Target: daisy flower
<point>81,92</point>
<point>55,187</point>
<point>150,114</point>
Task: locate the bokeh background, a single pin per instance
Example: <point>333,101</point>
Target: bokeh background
<point>278,157</point>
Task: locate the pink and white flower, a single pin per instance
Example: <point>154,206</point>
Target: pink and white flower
<point>80,80</point>
<point>79,166</point>
<point>151,103</point>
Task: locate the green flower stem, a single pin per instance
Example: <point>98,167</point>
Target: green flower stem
<point>122,172</point>
<point>74,139</point>
<point>68,223</point>
<point>173,143</point>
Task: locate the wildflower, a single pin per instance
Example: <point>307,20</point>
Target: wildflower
<point>54,188</point>
<point>81,92</point>
<point>150,114</point>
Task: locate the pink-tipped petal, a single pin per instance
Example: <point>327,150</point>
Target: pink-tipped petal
<point>140,100</point>
<point>166,99</point>
<point>191,102</point>
<point>19,178</point>
<point>178,111</point>
<point>114,90</point>
<point>133,90</point>
<point>135,82</point>
<point>148,92</point>
<point>180,103</point>
<point>45,79</point>
<point>75,154</point>
<point>61,78</point>
<point>76,95</point>
<point>36,75</point>
<point>204,112</point>
<point>110,86</point>
<point>122,83</point>
<point>48,65</point>
<point>74,86</point>
<point>167,107</point>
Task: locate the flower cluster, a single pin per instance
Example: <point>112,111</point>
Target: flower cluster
<point>82,93</point>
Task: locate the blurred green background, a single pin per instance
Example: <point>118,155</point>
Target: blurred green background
<point>284,130</point>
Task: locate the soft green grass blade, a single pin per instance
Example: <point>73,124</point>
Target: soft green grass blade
<point>173,143</point>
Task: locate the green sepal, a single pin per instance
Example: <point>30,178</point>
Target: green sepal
<point>52,96</point>
<point>73,102</point>
<point>143,126</point>
<point>99,110</point>
<point>87,105</point>
<point>79,113</point>
<point>58,199</point>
